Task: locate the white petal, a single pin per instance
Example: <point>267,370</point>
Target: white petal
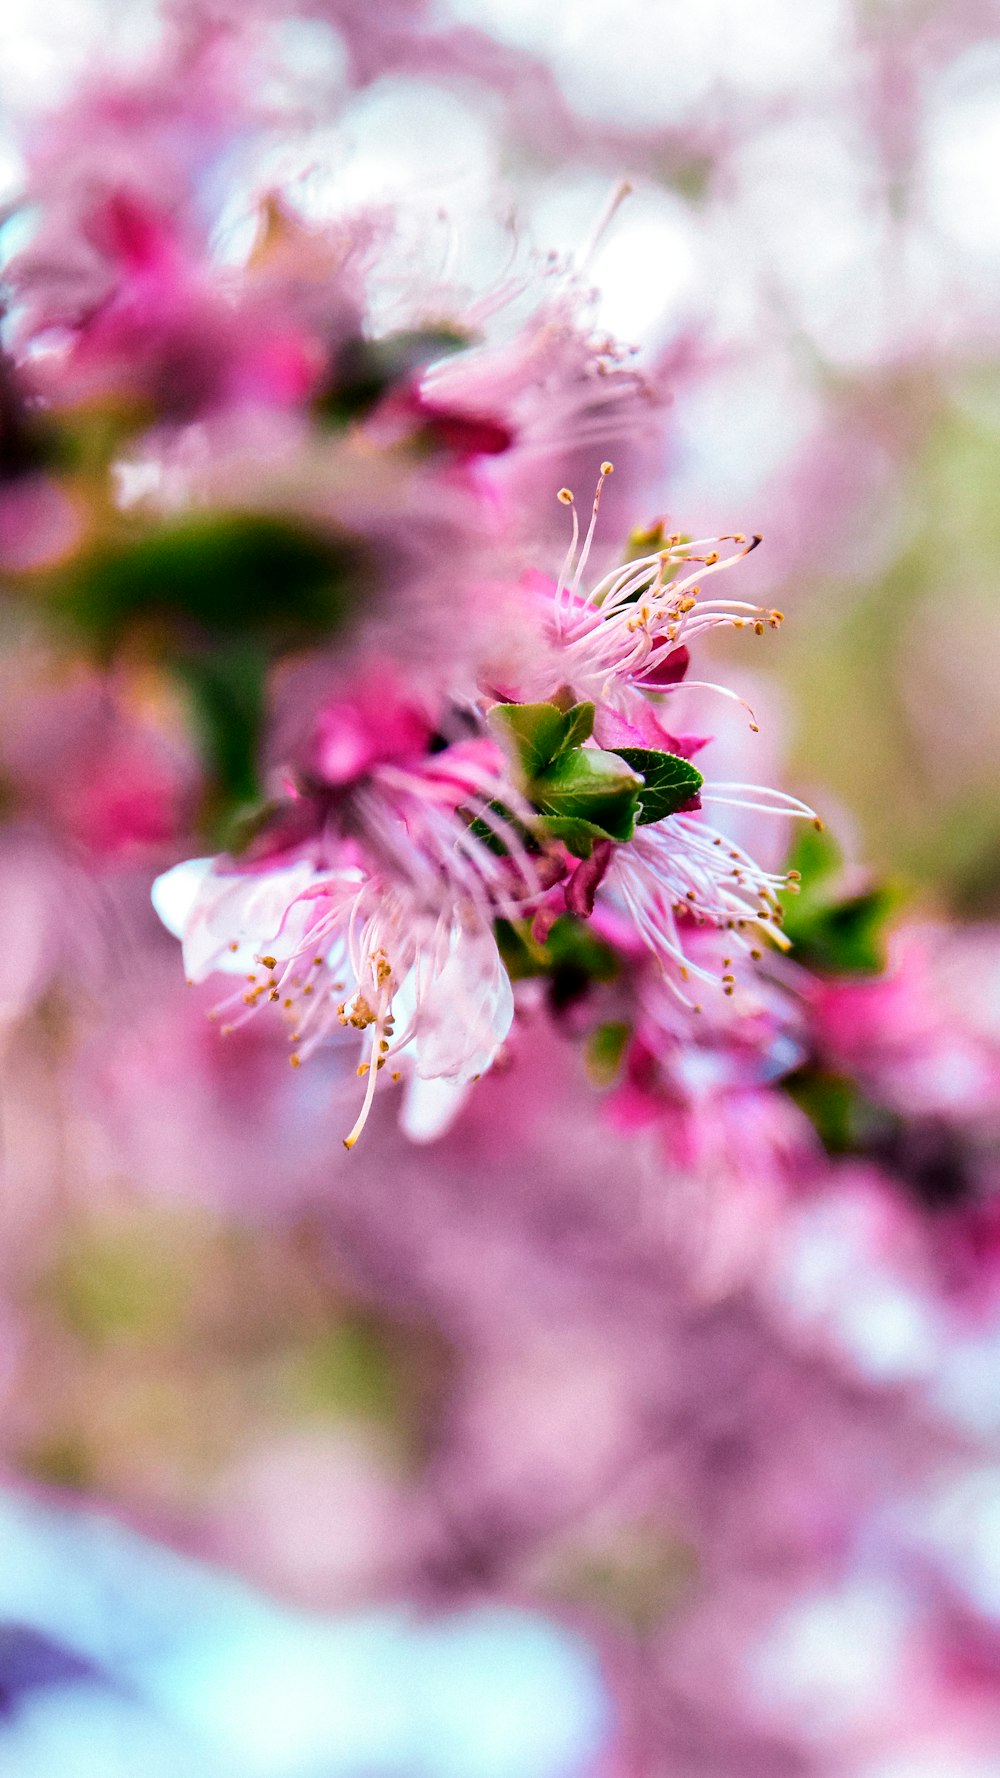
<point>464,1010</point>
<point>430,1107</point>
<point>226,918</point>
<point>175,892</point>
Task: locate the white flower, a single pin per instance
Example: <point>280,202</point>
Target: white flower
<point>341,950</point>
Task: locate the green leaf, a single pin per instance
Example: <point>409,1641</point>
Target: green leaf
<point>846,937</point>
<point>592,786</point>
<point>573,956</point>
<point>838,935</point>
<point>493,838</point>
<point>844,1118</point>
<point>817,858</point>
<point>539,734</point>
<point>227,575</point>
<point>227,690</point>
<point>578,837</point>
<point>669,782</point>
<point>605,1052</point>
<point>366,369</point>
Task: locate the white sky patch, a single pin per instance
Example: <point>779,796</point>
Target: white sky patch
<point>646,264</point>
<point>810,216</point>
<point>44,50</point>
<point>965,1388</point>
<point>836,1659</point>
<point>834,1281</point>
<point>962,154</point>
<point>735,430</point>
<point>960,1527</point>
<point>306,59</point>
<point>935,1759</point>
<point>422,154</point>
<point>649,62</point>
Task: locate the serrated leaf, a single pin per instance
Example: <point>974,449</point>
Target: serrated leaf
<point>539,734</point>
<point>592,786</point>
<point>670,783</point>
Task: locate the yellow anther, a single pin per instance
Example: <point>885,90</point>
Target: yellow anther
<point>269,962</point>
<point>566,496</point>
<point>607,469</point>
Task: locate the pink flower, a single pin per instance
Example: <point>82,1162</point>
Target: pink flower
<point>342,951</point>
<point>618,644</point>
<point>380,921</point>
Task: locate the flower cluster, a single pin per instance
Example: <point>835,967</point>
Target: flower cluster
<point>302,632</point>
<point>429,770</point>
<point>370,897</point>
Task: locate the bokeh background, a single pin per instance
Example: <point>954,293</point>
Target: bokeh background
<point>525,1459</point>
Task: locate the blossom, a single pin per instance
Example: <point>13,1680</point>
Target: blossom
<point>381,920</point>
<point>621,642</point>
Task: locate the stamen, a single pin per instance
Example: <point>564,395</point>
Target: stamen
<point>606,470</point>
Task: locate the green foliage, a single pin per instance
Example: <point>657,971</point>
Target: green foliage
<point>586,795</point>
<point>366,369</point>
<point>349,1371</point>
<point>216,598</point>
<point>669,782</point>
<point>115,1287</point>
<point>835,934</point>
<point>831,1103</point>
<point>226,686</point>
<point>216,576</point>
<point>605,1052</point>
<point>583,793</point>
<point>573,956</point>
<point>845,1118</point>
<point>537,735</point>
